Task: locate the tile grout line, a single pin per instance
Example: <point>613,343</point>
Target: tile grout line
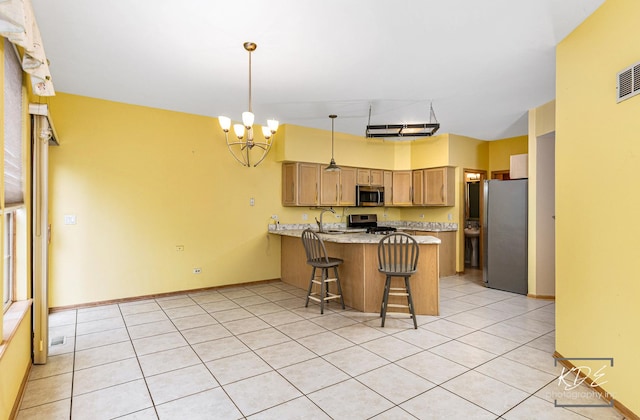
<point>353,344</point>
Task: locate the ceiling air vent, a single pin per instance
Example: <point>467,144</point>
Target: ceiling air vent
<point>629,82</point>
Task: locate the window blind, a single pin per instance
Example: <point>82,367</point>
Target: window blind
<point>13,176</point>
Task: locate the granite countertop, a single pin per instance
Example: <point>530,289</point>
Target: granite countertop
<point>423,226</point>
<point>346,236</point>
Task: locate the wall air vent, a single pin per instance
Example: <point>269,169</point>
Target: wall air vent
<point>629,82</point>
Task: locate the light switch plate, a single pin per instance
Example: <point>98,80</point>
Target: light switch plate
<point>70,219</point>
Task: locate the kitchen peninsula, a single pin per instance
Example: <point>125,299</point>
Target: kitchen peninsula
<point>362,284</point>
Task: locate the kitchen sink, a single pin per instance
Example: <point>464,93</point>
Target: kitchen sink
<point>342,231</point>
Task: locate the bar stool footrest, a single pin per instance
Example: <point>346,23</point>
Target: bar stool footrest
<point>404,314</point>
<point>397,305</point>
<point>314,296</point>
<point>326,281</point>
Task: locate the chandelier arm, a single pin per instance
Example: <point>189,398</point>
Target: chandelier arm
<point>262,145</point>
<point>241,161</point>
<point>236,143</point>
<point>264,155</point>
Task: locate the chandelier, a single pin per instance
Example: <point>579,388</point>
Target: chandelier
<point>241,146</point>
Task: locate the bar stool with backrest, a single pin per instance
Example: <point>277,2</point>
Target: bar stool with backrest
<point>317,258</point>
<point>397,257</point>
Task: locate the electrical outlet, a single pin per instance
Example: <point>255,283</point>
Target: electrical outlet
<point>252,201</point>
<point>274,216</point>
<point>422,216</point>
<point>197,270</point>
<point>179,247</point>
<point>450,216</point>
<point>305,216</point>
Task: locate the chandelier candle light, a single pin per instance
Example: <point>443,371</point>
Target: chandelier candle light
<point>241,147</point>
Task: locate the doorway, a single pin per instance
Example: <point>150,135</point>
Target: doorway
<point>473,215</point>
<point>544,223</point>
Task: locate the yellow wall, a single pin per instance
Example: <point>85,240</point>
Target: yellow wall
<point>142,181</point>
<point>501,150</point>
<point>597,201</point>
<point>430,152</point>
<point>14,364</point>
<point>306,144</point>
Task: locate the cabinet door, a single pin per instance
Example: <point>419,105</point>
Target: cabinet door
<point>364,176</point>
<point>329,186</point>
<point>347,187</point>
<point>402,188</point>
<point>439,186</point>
<point>387,177</point>
<point>289,184</point>
<point>376,177</point>
<point>418,188</point>
<point>447,255</point>
<point>308,184</point>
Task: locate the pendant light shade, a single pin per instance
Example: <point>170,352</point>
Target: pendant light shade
<point>332,165</point>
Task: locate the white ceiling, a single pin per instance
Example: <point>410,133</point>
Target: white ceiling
<point>482,64</point>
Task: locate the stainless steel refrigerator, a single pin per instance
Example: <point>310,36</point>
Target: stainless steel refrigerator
<point>505,235</point>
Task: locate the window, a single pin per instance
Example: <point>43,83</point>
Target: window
<point>13,168</point>
<point>9,265</point>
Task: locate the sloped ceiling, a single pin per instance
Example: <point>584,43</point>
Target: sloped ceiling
<point>482,64</point>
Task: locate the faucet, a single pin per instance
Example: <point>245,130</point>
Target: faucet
<point>319,222</point>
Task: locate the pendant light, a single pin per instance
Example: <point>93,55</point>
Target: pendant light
<point>332,165</point>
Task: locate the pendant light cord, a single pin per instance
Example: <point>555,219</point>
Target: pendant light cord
<point>332,120</point>
<point>250,110</point>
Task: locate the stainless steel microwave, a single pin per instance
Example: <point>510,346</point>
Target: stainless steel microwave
<point>367,196</point>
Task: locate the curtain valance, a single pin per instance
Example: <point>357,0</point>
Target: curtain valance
<point>18,25</point>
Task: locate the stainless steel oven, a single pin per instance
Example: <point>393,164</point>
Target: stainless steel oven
<point>367,196</point>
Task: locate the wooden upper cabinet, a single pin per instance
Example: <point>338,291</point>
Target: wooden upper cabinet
<point>376,177</point>
<point>387,182</point>
<point>300,184</point>
<point>439,186</point>
<point>418,187</point>
<point>338,188</point>
<point>364,176</point>
<point>306,184</point>
<point>402,188</point>
<point>289,184</point>
<point>370,177</point>
<point>347,187</point>
<point>329,188</point>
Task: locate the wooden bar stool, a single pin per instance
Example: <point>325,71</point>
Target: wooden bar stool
<point>397,257</point>
<point>317,258</point>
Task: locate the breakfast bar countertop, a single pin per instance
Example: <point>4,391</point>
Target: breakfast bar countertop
<point>350,237</point>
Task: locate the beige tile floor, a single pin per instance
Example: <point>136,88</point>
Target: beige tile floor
<point>255,352</point>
